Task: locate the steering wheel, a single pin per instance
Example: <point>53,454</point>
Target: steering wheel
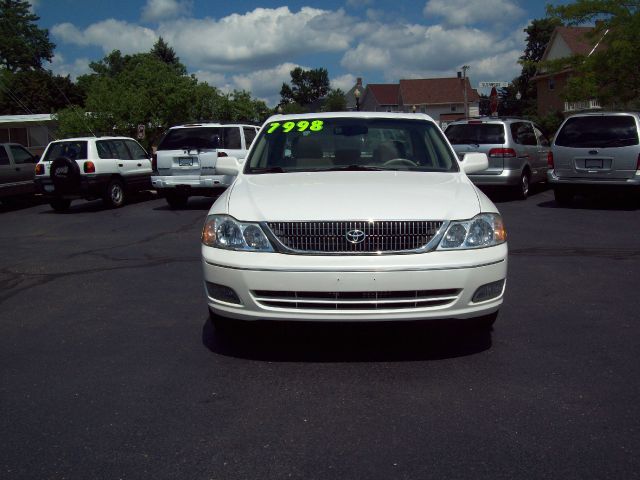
<point>399,162</point>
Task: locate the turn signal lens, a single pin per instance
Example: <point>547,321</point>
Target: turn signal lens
<point>502,153</point>
<point>89,167</point>
<point>39,169</point>
<point>550,159</point>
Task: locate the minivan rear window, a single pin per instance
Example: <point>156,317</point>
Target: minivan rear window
<point>73,149</point>
<point>598,132</point>
<point>187,138</point>
<point>475,133</point>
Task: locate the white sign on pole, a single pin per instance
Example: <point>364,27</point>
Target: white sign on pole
<point>493,84</point>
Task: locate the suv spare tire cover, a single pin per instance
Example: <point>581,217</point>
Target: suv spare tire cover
<point>65,174</point>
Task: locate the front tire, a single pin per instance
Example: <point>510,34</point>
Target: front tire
<point>60,204</point>
<point>114,195</point>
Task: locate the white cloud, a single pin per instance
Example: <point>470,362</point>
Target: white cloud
<point>79,66</point>
<point>109,35</point>
<point>155,10</point>
<point>344,82</point>
<point>260,38</point>
<point>465,12</point>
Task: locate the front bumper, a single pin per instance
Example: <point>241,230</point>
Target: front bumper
<point>507,177</point>
<point>189,182</point>
<point>554,179</point>
<point>249,274</point>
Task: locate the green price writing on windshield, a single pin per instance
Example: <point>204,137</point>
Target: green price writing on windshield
<point>300,126</point>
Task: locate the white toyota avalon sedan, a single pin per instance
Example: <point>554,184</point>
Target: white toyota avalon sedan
<point>354,216</point>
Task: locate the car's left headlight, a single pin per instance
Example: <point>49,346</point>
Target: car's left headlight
<point>223,231</point>
<point>484,230</point>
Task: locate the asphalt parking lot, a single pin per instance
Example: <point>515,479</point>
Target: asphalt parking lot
<point>109,368</point>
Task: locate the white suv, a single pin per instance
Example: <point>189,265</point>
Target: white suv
<point>185,160</point>
<point>329,219</point>
<point>90,168</point>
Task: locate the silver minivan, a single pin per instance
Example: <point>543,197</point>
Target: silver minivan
<point>517,151</point>
<point>595,150</point>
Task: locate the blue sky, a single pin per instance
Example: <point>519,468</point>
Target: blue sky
<point>252,45</point>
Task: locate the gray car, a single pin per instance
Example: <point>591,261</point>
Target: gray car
<point>16,170</point>
<point>594,151</point>
<point>517,151</point>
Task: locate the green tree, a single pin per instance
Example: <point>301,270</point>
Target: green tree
<point>538,35</point>
<point>24,46</point>
<point>36,91</point>
<point>335,101</point>
<point>609,72</point>
<point>164,52</point>
<point>306,87</point>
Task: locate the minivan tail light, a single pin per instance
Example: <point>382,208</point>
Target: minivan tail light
<point>222,154</point>
<point>638,163</point>
<point>502,153</point>
<point>550,159</point>
<point>89,167</point>
<point>39,169</point>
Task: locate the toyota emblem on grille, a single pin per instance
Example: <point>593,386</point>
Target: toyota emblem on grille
<point>355,236</point>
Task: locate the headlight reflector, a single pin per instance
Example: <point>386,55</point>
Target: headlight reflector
<point>223,231</point>
<point>484,230</point>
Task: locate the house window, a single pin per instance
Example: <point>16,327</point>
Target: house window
<point>454,108</point>
<point>552,83</point>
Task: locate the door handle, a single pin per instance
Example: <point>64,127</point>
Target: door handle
<point>139,164</point>
<point>121,165</point>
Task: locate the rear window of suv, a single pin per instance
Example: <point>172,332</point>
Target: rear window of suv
<point>75,150</point>
<point>598,132</point>
<point>475,133</point>
<point>201,137</point>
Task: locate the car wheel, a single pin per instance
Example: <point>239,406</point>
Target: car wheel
<point>563,196</point>
<point>60,204</point>
<point>522,190</point>
<point>65,175</point>
<point>177,199</point>
<point>114,194</point>
<point>486,321</point>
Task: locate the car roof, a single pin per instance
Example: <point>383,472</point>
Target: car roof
<point>214,124</point>
<point>489,120</point>
<point>367,115</point>
<point>86,139</point>
<point>602,113</point>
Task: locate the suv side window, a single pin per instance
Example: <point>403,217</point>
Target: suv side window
<point>120,149</point>
<point>522,133</point>
<point>249,135</point>
<point>4,156</point>
<point>231,138</point>
<point>104,150</point>
<point>137,151</point>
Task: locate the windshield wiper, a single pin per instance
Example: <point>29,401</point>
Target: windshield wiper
<point>267,170</point>
<point>352,168</point>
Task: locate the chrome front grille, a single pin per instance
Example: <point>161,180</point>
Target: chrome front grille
<point>331,237</point>
<point>342,301</point>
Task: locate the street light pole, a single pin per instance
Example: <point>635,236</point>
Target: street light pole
<point>464,90</point>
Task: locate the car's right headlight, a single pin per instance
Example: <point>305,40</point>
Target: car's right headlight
<point>484,230</point>
<point>223,231</point>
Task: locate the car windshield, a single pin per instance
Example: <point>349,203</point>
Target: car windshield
<point>475,133</point>
<point>73,149</point>
<point>344,144</point>
<point>598,132</point>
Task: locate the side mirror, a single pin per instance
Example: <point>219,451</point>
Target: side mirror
<point>475,162</point>
<point>227,166</point>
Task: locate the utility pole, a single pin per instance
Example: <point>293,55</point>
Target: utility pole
<point>464,90</point>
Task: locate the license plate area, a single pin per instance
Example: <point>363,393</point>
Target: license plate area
<point>186,161</point>
<point>593,163</point>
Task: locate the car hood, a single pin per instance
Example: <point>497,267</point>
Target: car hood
<point>352,196</point>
